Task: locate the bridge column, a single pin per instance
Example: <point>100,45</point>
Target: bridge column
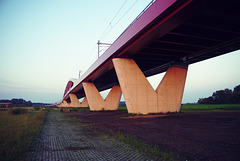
<point>140,96</point>
<point>84,103</point>
<point>74,100</point>
<point>95,100</point>
<point>171,88</point>
<point>64,104</point>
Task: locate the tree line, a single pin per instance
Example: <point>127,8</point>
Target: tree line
<point>18,102</point>
<point>226,96</point>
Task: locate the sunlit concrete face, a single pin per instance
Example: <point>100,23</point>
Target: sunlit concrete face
<point>171,88</point>
<point>95,100</point>
<point>75,102</point>
<point>84,103</point>
<point>138,93</point>
<point>64,104</point>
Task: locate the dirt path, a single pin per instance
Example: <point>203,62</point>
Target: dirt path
<point>62,140</point>
<point>201,136</point>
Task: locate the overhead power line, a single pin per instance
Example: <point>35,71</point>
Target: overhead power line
<point>112,20</point>
<point>105,33</point>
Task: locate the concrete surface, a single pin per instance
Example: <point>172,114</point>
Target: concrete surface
<point>140,96</point>
<point>95,100</point>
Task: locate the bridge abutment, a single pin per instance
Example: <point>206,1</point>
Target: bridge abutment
<point>140,96</point>
<point>95,100</point>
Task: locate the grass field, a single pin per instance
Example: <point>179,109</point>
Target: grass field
<point>210,108</point>
<point>185,108</point>
<point>18,132</point>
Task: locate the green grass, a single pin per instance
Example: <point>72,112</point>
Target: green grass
<point>88,110</point>
<point>83,110</point>
<point>210,108</point>
<point>18,132</point>
<point>185,108</point>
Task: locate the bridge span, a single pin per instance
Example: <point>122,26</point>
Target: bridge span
<point>167,36</point>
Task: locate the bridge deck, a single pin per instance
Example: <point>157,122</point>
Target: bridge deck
<point>169,31</point>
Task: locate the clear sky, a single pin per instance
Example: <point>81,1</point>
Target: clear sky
<point>44,43</point>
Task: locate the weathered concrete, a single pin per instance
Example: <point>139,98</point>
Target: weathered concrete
<point>140,96</point>
<point>63,140</point>
<point>95,100</point>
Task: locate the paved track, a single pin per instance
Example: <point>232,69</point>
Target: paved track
<point>61,140</point>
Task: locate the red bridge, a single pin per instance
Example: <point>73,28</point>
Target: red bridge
<point>167,36</point>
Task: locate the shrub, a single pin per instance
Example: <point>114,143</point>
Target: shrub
<point>18,111</point>
<point>73,109</point>
<point>36,108</point>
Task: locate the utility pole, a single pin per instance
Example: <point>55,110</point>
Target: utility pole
<point>100,43</point>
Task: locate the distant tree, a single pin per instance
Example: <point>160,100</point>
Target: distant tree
<point>222,96</point>
<point>5,101</point>
<point>236,94</point>
<point>29,104</point>
<point>18,102</point>
<point>226,96</point>
<point>208,100</point>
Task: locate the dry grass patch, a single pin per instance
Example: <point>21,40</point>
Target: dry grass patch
<point>18,132</point>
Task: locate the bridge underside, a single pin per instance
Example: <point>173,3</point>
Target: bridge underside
<point>212,31</point>
<point>187,32</point>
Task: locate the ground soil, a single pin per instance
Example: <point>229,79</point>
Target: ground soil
<point>63,140</point>
<point>194,136</point>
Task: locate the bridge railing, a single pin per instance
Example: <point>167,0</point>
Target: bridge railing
<point>140,14</point>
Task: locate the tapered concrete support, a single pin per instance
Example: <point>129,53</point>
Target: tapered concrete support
<point>170,90</point>
<point>113,98</point>
<point>95,100</point>
<point>84,103</point>
<point>74,100</point>
<point>138,93</point>
<point>64,104</point>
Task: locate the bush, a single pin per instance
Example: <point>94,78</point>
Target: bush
<point>2,106</point>
<point>73,109</point>
<point>36,108</point>
<point>18,111</point>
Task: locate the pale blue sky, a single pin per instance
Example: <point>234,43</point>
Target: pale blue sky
<point>43,43</point>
